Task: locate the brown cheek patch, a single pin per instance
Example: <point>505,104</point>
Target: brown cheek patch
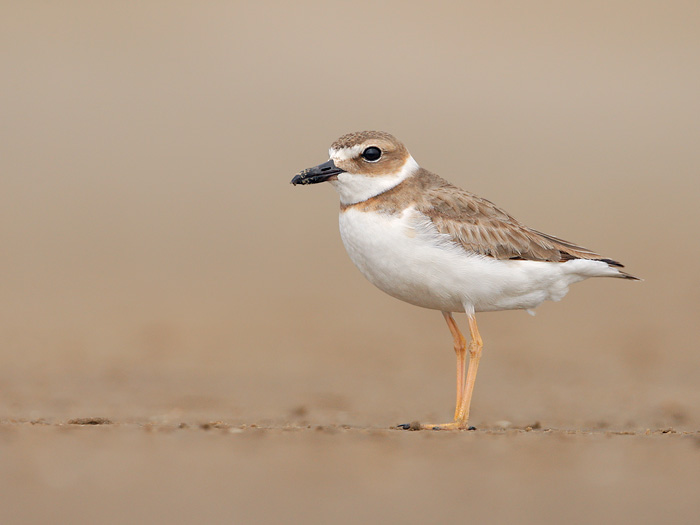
<point>394,154</point>
<point>390,162</point>
<point>345,165</point>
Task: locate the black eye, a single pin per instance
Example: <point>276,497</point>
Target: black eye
<point>372,154</point>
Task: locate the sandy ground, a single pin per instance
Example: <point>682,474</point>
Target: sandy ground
<point>183,338</point>
<point>164,473</point>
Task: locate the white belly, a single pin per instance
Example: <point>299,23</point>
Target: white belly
<point>406,257</point>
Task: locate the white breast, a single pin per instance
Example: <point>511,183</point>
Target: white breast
<point>404,255</point>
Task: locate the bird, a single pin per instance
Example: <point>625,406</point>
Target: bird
<point>429,243</point>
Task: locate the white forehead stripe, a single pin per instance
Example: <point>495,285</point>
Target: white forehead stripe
<point>345,153</point>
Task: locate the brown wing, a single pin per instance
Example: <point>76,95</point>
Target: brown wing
<point>480,226</point>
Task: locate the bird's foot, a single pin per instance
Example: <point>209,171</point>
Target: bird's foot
<point>454,425</point>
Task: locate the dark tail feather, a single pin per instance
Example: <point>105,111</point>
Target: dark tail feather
<point>623,275</point>
<point>612,263</point>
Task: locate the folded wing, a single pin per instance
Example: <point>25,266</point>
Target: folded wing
<point>481,227</point>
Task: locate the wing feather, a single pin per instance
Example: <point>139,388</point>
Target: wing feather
<point>480,226</point>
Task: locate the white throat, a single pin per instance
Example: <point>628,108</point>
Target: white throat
<point>356,187</point>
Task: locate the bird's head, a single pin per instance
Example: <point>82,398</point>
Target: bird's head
<point>362,165</point>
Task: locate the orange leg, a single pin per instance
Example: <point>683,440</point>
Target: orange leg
<point>475,346</point>
<point>461,350</point>
<point>465,381</point>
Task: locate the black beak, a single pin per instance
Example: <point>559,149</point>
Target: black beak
<point>320,173</point>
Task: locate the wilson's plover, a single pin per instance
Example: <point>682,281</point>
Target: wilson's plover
<point>422,240</point>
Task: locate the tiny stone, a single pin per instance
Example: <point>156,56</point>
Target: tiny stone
<point>89,421</point>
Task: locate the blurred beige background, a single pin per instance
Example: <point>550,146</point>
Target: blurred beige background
<point>157,265</point>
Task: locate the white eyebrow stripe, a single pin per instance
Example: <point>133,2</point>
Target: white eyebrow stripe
<point>345,153</point>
